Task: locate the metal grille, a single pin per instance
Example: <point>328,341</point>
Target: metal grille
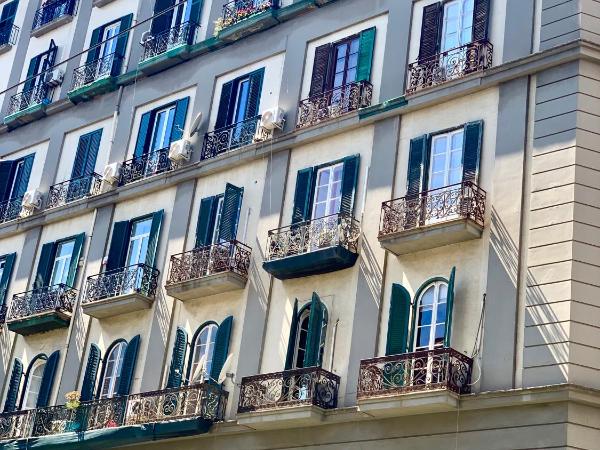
<point>174,37</point>
<point>69,191</point>
<point>140,279</point>
<point>11,209</point>
<point>100,68</point>
<point>15,425</point>
<point>37,95</point>
<point>59,297</point>
<point>231,137</point>
<point>238,10</point>
<point>145,166</point>
<point>51,11</point>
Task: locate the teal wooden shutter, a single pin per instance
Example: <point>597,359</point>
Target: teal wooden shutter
<point>312,357</point>
<point>224,105</point>
<point>7,19</point>
<point>204,227</point>
<point>118,245</point>
<point>91,371</point>
<point>48,380</point>
<point>481,13</point>
<point>92,153</point>
<point>472,142</point>
<point>291,348</point>
<point>230,213</point>
<point>177,359</point>
<point>349,180</point>
<point>6,168</point>
<point>431,31</point>
<point>320,73</point>
<point>398,321</point>
<point>9,262</point>
<point>417,166</point>
<point>23,182</point>
<point>81,156</point>
<point>128,368</point>
<point>449,308</point>
<point>161,23</point>
<point>221,348</point>
<point>45,265</point>
<point>13,386</point>
<point>303,195</point>
<point>254,91</point>
<point>77,247</point>
<point>195,12</point>
<point>153,239</point>
<point>94,52</point>
<point>365,54</point>
<point>121,47</point>
<point>179,119</point>
<point>143,137</point>
<point>32,70</point>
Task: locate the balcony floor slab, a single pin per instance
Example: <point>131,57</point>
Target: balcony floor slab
<point>115,306</point>
<point>284,417</point>
<point>4,48</point>
<point>89,91</point>
<point>39,323</point>
<point>250,25</point>
<point>164,60</point>
<point>411,403</point>
<point>25,116</point>
<point>205,286</point>
<point>52,25</point>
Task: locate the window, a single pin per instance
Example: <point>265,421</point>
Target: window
<point>2,265</point>
<point>431,317</point>
<point>446,159</point>
<point>308,328</point>
<point>112,370</point>
<point>7,19</point>
<point>328,191</point>
<point>346,62</point>
<point>39,64</point>
<point>14,177</point>
<point>138,241</point>
<point>457,24</point>
<point>163,125</point>
<point>301,340</point>
<point>203,349</point>
<point>62,262</point>
<point>109,34</point>
<point>34,383</point>
<point>240,99</point>
<point>219,216</point>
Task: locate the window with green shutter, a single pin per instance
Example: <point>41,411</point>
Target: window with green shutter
<point>221,348</point>
<point>10,404</point>
<point>91,372</point>
<point>7,19</point>
<point>177,359</point>
<point>14,177</point>
<point>218,217</point>
<point>7,263</point>
<point>202,351</point>
<point>48,378</point>
<point>59,261</point>
<point>398,321</point>
<point>240,99</point>
<point>87,152</point>
<point>128,367</point>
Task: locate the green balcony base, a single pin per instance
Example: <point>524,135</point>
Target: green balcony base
<point>25,116</point>
<point>165,60</point>
<point>295,9</point>
<point>314,263</point>
<point>89,91</point>
<point>40,323</point>
<point>251,25</point>
<point>320,3</point>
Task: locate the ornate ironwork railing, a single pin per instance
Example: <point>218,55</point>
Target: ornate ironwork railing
<point>11,209</point>
<point>308,386</point>
<point>15,425</point>
<point>140,279</point>
<point>71,190</point>
<point>145,166</point>
<point>334,103</point>
<point>51,11</point>
<point>3,312</point>
<point>8,35</point>
<point>59,298</point>
<point>41,93</point>
<point>204,261</point>
<point>465,200</point>
<point>230,137</point>
<point>238,10</point>
<point>450,65</point>
<point>313,235</point>
<point>174,37</point>
<point>104,67</point>
<point>442,368</point>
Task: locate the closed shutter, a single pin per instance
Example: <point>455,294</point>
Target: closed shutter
<point>177,359</point>
<point>431,30</point>
<point>179,119</point>
<point>94,52</point>
<point>312,357</point>
<point>195,12</point>
<point>48,380</point>
<point>349,180</point>
<point>92,153</point>
<point>9,262</point>
<point>365,54</point>
<point>23,182</point>
<point>5,179</point>
<point>143,137</point>
<point>254,91</point>
<point>91,371</point>
<point>449,308</point>
<point>472,150</point>
<point>481,15</point>
<point>81,156</point>
<point>230,213</point>
<point>221,348</point>
<point>13,386</point>
<point>121,47</point>
<point>223,115</point>
<point>128,368</point>
<point>303,195</point>
<point>162,22</point>
<point>291,348</point>
<point>77,247</point>
<point>153,239</point>
<point>45,264</point>
<point>32,70</point>
<point>118,246</point>
<point>417,166</point>
<point>320,72</point>
<point>205,225</point>
<point>398,321</point>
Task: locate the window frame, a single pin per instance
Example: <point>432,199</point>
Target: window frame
<point>460,19</point>
<point>449,134</point>
<point>210,325</point>
<point>435,283</point>
<point>304,314</point>
<point>331,168</point>
<point>37,362</point>
<point>115,377</point>
<point>130,239</point>
<point>333,60</point>
<point>66,266</point>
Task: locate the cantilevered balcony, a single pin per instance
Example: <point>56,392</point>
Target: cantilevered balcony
<point>450,65</point>
<point>95,78</point>
<point>433,218</point>
<point>11,209</point>
<point>166,49</point>
<point>69,191</point>
<point>145,166</point>
<point>8,37</point>
<point>234,136</point>
<point>242,17</point>
<point>41,309</point>
<point>51,15</point>
<point>15,425</point>
<point>420,382</point>
<point>209,270</point>
<point>334,103</point>
<point>312,247</point>
<point>29,105</point>
<point>120,291</point>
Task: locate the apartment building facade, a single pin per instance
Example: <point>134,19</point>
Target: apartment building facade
<point>276,224</point>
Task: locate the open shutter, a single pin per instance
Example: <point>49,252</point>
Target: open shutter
<point>204,227</point>
<point>121,47</point>
<point>153,239</point>
<point>449,308</point>
<point>13,386</point>
<point>143,137</point>
<point>45,264</point>
<point>417,162</point>
<point>179,119</point>
<point>481,14</point>
<point>291,349</point>
<point>5,171</point>
<point>254,91</point>
<point>195,12</point>
<point>224,105</point>
<point>32,70</point>
<point>230,214</point>
<point>92,153</point>
<point>177,359</point>
<point>303,195</point>
<point>118,245</point>
<point>162,22</point>
<point>94,52</point>
<point>472,150</point>
<point>7,19</point>
<point>398,321</point>
<point>9,262</point>
<point>221,348</point>
<point>48,380</point>
<point>23,182</point>
<point>128,368</point>
<point>71,277</point>
<point>312,357</point>
<point>320,72</point>
<point>431,29</point>
<point>91,371</point>
<point>349,180</point>
<point>365,54</point>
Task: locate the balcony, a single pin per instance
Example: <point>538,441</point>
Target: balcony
<point>293,397</point>
<point>411,383</point>
<point>243,17</point>
<point>168,48</point>
<point>334,103</point>
<point>312,247</point>
<point>41,309</point>
<point>52,15</point>
<point>28,105</point>
<point>145,166</point>
<point>234,136</point>
<point>433,219</point>
<point>69,191</point>
<point>120,291</point>
<point>11,209</point>
<point>209,270</point>
<point>95,78</point>
<point>3,312</point>
<point>8,37</point>
<point>450,65</point>
<point>14,425</point>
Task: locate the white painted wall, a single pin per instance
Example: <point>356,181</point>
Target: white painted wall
<point>6,59</point>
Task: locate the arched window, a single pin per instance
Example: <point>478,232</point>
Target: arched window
<point>302,336</point>
<point>33,382</point>
<point>431,316</point>
<point>111,373</point>
<point>203,346</point>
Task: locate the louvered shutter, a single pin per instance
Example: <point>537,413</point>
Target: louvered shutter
<point>230,213</point>
<point>75,256</point>
<point>81,156</point>
<point>13,386</point>
<point>195,12</point>
<point>221,348</point>
<point>481,14</point>
<point>118,245</point>
<point>472,142</point>
<point>431,29</point>
<point>177,359</point>
<point>179,119</point>
<point>91,372</point>
<point>94,52</point>
<point>303,195</point>
<point>23,182</point>
<point>349,181</point>
<point>7,20</point>
<point>9,262</point>
<point>48,380</point>
<point>449,308</point>
<point>143,138</point>
<point>32,70</point>
<point>312,357</point>
<point>398,321</point>
<point>157,218</point>
<point>417,161</point>
<point>5,171</point>
<point>365,54</point>
<point>45,264</point>
<point>223,115</point>
<point>162,22</point>
<point>128,368</point>
<point>205,225</point>
<point>320,72</point>
<point>121,47</point>
<point>254,91</point>
<point>92,153</point>
<point>291,348</point>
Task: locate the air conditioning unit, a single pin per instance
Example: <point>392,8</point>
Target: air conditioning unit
<point>272,118</point>
<point>111,173</point>
<point>54,78</point>
<point>180,150</point>
<point>32,199</point>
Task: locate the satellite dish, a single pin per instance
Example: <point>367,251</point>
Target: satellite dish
<point>145,37</point>
<point>196,124</point>
<point>225,369</point>
<point>200,369</point>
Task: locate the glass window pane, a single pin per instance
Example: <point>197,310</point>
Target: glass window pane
<point>354,45</point>
<point>423,336</point>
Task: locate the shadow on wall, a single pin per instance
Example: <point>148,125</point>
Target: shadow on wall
<point>370,269</point>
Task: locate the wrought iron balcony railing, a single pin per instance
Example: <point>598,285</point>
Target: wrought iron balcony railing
<point>334,103</point>
<point>104,67</point>
<point>68,191</point>
<point>11,209</point>
<point>3,312</point>
<point>308,386</point>
<point>231,137</point>
<point>59,298</point>
<point>145,166</point>
<point>37,95</point>
<point>312,235</point>
<point>459,201</point>
<point>238,10</point>
<point>51,11</point>
<point>205,261</point>
<point>8,35</point>
<point>174,37</point>
<point>138,279</point>
<point>15,425</point>
<point>429,370</point>
<point>450,65</point>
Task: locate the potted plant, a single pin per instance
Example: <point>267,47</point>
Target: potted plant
<point>72,404</point>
